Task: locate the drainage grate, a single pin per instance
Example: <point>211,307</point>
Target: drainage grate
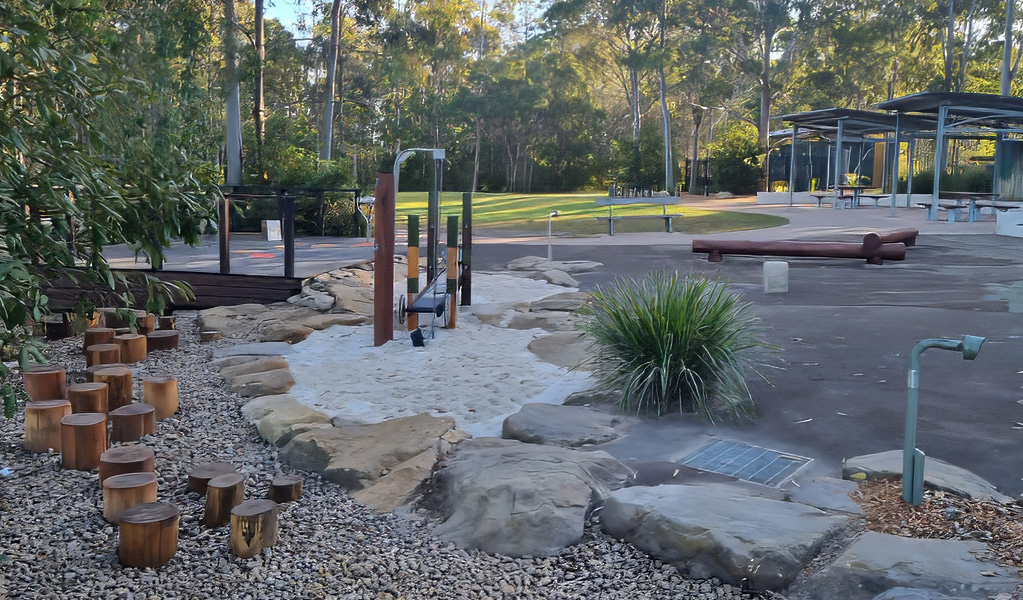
<point>751,463</point>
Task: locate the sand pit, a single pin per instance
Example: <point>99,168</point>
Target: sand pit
<point>477,373</point>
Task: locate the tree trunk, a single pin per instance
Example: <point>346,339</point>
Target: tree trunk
<point>476,159</point>
<point>234,107</point>
<point>258,108</point>
<point>327,125</point>
<point>1006,86</point>
<point>949,44</point>
<point>697,121</point>
<point>764,128</point>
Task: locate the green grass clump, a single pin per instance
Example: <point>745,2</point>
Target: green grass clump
<point>669,341</point>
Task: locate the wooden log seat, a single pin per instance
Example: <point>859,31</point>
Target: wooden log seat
<point>894,236</point>
<point>126,459</point>
<point>165,322</point>
<point>200,475</point>
<point>57,328</point>
<point>88,397</point>
<point>123,331</point>
<point>133,347</point>
<point>162,339</point>
<point>119,385</point>
<point>149,535</point>
<point>121,492</point>
<point>285,488</point>
<point>223,493</point>
<point>83,439</point>
<point>253,527</point>
<point>145,323</point>
<point>102,354</point>
<point>42,424</point>
<point>97,335</point>
<point>90,372</point>
<point>872,249</point>
<point>161,392</point>
<point>130,422</point>
<point>45,382</point>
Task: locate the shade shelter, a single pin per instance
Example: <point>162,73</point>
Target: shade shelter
<point>958,115</point>
<point>843,127</point>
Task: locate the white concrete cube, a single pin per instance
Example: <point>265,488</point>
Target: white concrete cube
<point>776,276</point>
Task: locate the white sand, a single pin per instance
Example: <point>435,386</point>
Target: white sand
<point>477,373</point>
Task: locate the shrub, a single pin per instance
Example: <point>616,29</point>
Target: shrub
<point>670,341</point>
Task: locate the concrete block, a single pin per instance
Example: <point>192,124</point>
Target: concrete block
<point>776,276</point>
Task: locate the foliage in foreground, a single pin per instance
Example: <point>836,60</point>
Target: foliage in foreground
<point>675,342</point>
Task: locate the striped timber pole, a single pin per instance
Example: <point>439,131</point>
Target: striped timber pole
<point>452,270</point>
<point>412,319</point>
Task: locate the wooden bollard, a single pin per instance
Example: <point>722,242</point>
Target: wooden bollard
<point>119,385</point>
<point>130,422</point>
<point>42,424</point>
<point>90,372</point>
<point>83,439</point>
<point>45,382</point>
<point>126,459</point>
<point>133,347</point>
<point>121,492</point>
<point>122,331</point>
<point>97,335</point>
<point>145,323</point>
<point>149,535</point>
<point>113,318</point>
<point>166,322</point>
<point>223,493</point>
<point>163,339</point>
<point>285,488</point>
<point>253,527</point>
<point>200,475</point>
<point>88,397</point>
<point>161,392</point>
<point>57,329</point>
<point>102,354</point>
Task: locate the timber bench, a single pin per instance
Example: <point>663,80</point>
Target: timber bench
<point>663,201</point>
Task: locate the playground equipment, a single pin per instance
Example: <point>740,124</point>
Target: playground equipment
<point>874,249</point>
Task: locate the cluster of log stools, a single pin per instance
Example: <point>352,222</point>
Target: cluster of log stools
<point>74,420</point>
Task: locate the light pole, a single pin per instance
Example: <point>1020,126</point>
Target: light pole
<point>913,457</point>
<point>550,219</point>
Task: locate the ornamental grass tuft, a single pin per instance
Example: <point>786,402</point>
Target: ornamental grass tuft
<point>671,342</point>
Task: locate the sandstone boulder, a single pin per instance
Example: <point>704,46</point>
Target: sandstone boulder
<point>559,425</point>
<point>937,475</point>
<point>264,383</point>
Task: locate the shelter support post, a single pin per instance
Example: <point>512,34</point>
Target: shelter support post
<point>895,165</point>
<point>838,162</point>
<point>225,236</point>
<point>792,162</point>
<point>466,276</point>
<point>286,206</point>
<point>909,174</point>
<point>383,261</point>
<point>940,159</point>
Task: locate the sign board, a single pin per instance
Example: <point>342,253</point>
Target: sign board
<point>273,230</point>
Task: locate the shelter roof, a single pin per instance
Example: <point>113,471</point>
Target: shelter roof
<point>856,122</point>
<point>965,111</point>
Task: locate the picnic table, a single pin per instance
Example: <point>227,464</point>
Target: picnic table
<point>973,201</point>
<point>848,194</point>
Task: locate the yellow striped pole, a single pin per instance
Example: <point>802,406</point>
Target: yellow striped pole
<point>452,281</point>
<point>411,318</point>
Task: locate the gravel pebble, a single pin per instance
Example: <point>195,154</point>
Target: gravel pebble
<point>54,542</point>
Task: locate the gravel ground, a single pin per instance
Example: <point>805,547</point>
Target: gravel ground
<point>54,542</point>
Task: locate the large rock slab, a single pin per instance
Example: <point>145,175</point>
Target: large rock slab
<point>399,485</point>
<point>238,366</point>
<point>354,456</point>
<point>329,320</point>
<point>518,499</point>
<point>285,419</point>
<point>568,349</point>
<point>263,383</point>
<point>877,562</point>
<point>540,263</point>
<point>253,349</point>
<point>716,530</point>
<point>827,493</point>
<point>284,331</point>
<point>937,474</point>
<point>559,425</point>
<point>234,321</point>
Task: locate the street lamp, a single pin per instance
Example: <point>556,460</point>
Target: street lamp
<point>550,251</point>
<point>913,457</point>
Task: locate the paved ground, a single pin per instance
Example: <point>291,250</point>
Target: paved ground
<point>837,387</point>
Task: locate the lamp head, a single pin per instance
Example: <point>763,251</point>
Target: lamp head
<point>971,346</point>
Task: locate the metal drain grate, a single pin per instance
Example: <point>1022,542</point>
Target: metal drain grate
<point>751,463</point>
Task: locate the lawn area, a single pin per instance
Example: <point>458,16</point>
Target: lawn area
<point>577,214</point>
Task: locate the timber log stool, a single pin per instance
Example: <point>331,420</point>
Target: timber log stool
<point>145,323</point>
<point>149,535</point>
<point>132,421</point>
<point>102,354</point>
<point>253,527</point>
<point>45,382</point>
<point>162,339</point>
<point>285,488</point>
<point>161,392</point>
<point>121,492</point>
<point>88,397</point>
<point>200,475</point>
<point>122,331</point>
<point>165,322</point>
<point>133,347</point>
<point>126,459</point>
<point>223,493</point>
<point>97,335</point>
<point>83,439</point>
<point>90,372</point>
<point>42,424</point>
<point>119,385</point>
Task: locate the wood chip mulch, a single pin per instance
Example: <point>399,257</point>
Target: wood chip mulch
<point>944,516</point>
